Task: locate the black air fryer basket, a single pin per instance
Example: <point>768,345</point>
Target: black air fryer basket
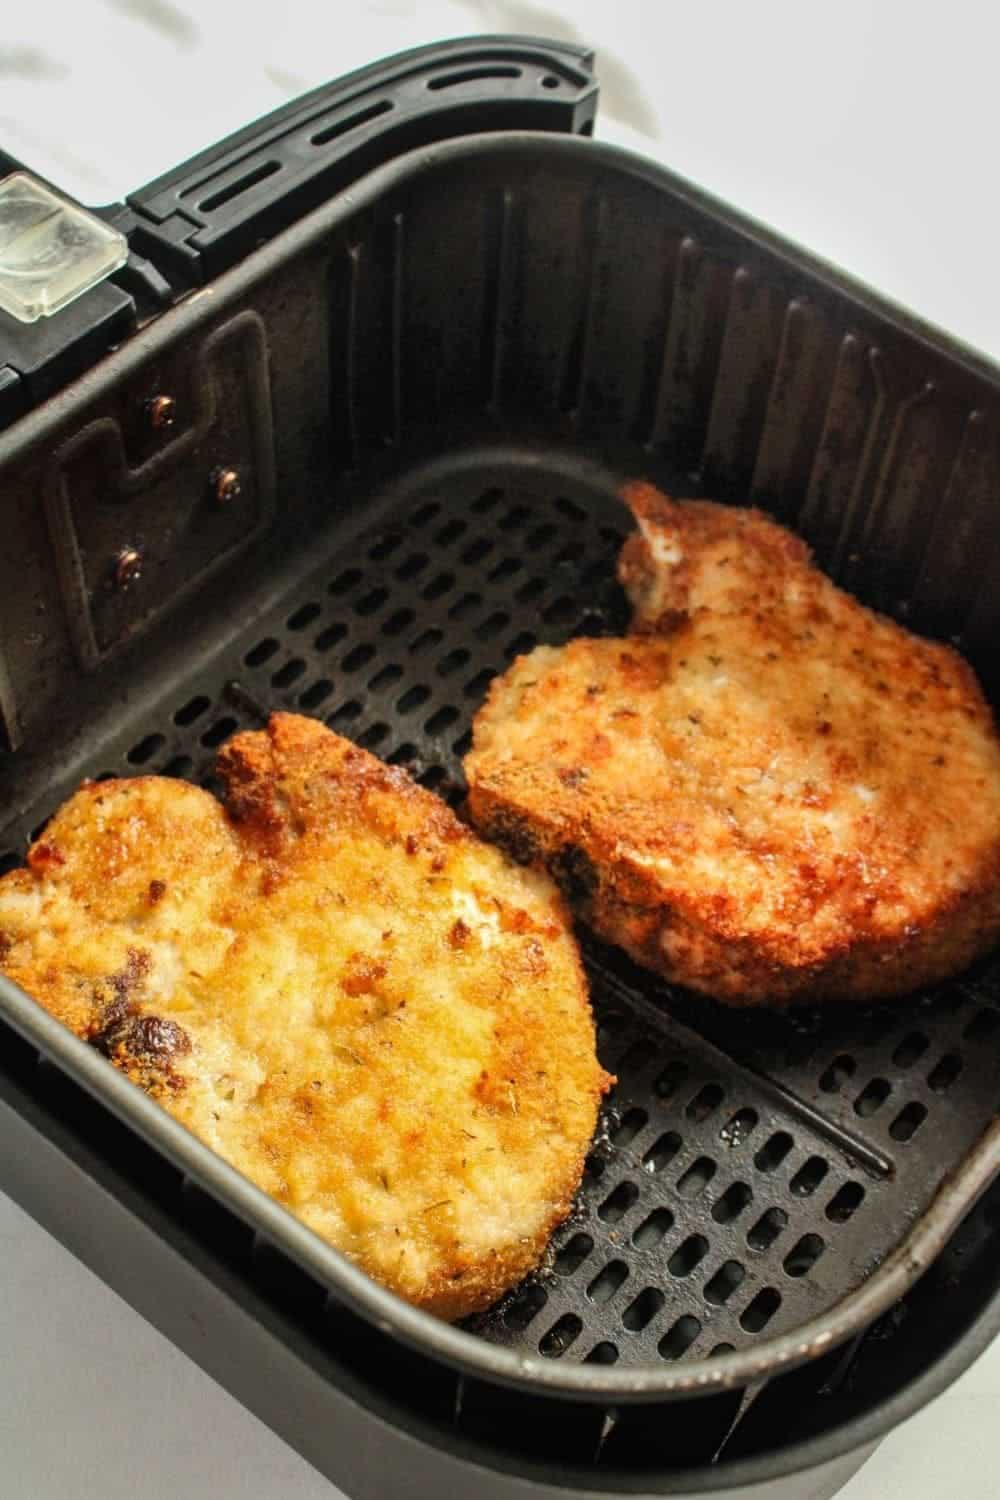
<point>344,436</point>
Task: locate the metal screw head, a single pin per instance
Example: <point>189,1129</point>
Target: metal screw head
<point>162,412</point>
<point>127,567</point>
<point>226,485</point>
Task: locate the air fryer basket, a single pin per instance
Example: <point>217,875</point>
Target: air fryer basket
<point>431,389</point>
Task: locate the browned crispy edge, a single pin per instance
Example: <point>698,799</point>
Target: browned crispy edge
<point>624,904</point>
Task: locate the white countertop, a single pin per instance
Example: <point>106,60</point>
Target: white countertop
<point>865,131</point>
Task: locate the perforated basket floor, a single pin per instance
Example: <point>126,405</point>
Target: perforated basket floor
<point>749,1169</point>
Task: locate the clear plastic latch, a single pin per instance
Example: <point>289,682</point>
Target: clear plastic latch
<point>51,251</point>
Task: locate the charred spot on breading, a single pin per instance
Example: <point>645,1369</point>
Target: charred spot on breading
<point>45,856</point>
<point>573,871</point>
<point>515,836</point>
<point>155,1038</point>
<point>143,1045</point>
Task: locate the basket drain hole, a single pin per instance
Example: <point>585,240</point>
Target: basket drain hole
<point>146,749</point>
<point>426,639</point>
<point>872,1097</point>
<point>809,1176</point>
<point>303,616</point>
<point>908,1121</point>
<point>385,677</point>
<point>629,1126</point>
<point>192,709</point>
<point>373,736</point>
<point>606,1283</point>
<point>345,714</point>
<point>492,625</point>
<point>476,687</point>
<point>522,643</point>
<point>414,697</point>
<point>736,1129</point>
<point>640,1313</point>
<point>219,731</point>
<point>618,1203</point>
<point>688,1255</point>
<point>476,551</point>
<point>385,546</point>
<point>561,610</point>
<point>344,582</point>
<point>837,1074</point>
<point>425,513</point>
<point>411,566</point>
<point>394,625</point>
<point>653,1229</point>
<point>450,532</point>
<point>487,500</point>
<point>602,1354</point>
<point>560,1336</point>
<point>803,1256</point>
<point>530,590</point>
<point>845,1202</point>
<point>289,673</point>
<point>697,1177</point>
<point>331,636</point>
<point>317,694</point>
<point>505,568</point>
<point>437,587</point>
<point>773,1152</point>
<point>680,1338</point>
<point>662,1151</point>
<point>757,1314</point>
<point>526,1306</point>
<point>257,656</point>
<point>569,508</point>
<point>453,661</point>
<point>944,1073</point>
<point>516,516</point>
<point>705,1102</point>
<point>463,605</point>
<point>442,720</point>
<point>734,1200</point>
<point>727,1280</point>
<point>573,1254</point>
<point>360,656</point>
<point>763,1234</point>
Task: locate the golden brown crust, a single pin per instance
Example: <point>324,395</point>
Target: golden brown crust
<point>768,793</point>
<point>335,984</point>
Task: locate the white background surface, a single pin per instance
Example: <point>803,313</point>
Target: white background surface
<point>867,131</point>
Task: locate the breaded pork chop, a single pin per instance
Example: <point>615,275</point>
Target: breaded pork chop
<point>375,1016</point>
<point>769,792</point>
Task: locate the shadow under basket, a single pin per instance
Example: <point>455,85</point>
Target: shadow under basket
<point>432,388</point>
